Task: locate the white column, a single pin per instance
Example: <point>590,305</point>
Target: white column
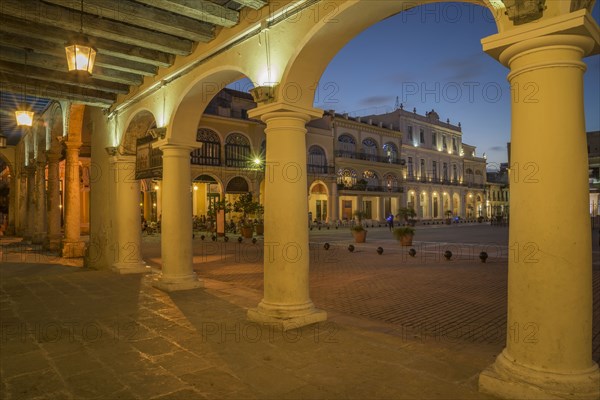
<point>126,217</point>
<point>176,226</point>
<point>72,245</point>
<point>158,200</point>
<point>54,211</point>
<point>286,299</point>
<point>548,351</point>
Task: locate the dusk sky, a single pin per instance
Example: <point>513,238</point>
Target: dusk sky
<point>431,58</point>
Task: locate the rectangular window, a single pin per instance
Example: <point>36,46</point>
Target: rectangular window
<point>434,139</point>
<point>454,144</point>
<point>435,171</point>
<point>422,135</point>
<point>410,134</point>
<point>445,171</point>
<point>423,176</point>
<point>410,167</point>
<point>444,144</point>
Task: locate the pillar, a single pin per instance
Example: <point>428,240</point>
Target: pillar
<point>54,211</point>
<point>40,226</point>
<point>30,203</point>
<point>72,245</point>
<point>12,204</point>
<point>148,204</point>
<point>21,222</point>
<point>126,218</point>
<point>548,351</point>
<point>333,213</point>
<point>380,209</point>
<point>286,300</point>
<point>158,200</point>
<point>176,226</point>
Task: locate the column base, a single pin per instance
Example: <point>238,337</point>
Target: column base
<point>509,380</point>
<point>72,249</point>
<point>52,244</point>
<point>131,268</point>
<point>287,316</point>
<point>173,284</point>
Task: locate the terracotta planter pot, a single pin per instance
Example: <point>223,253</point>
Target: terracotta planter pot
<point>406,240</point>
<point>260,229</point>
<point>246,231</point>
<point>360,236</point>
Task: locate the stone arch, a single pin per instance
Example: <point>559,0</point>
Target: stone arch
<point>237,185</point>
<point>195,97</point>
<point>324,39</point>
<point>54,121</point>
<point>137,127</point>
<point>318,186</point>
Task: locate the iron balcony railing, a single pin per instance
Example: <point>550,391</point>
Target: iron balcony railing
<point>367,157</point>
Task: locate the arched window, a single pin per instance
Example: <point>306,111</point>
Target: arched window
<point>317,160</point>
<point>237,150</point>
<point>372,179</point>
<point>237,185</point>
<point>347,177</point>
<point>390,151</point>
<point>370,149</point>
<point>391,182</point>
<point>210,152</point>
<point>469,171</point>
<point>346,146</point>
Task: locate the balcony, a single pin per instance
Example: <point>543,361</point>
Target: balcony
<point>366,157</point>
<point>316,169</point>
<point>376,189</point>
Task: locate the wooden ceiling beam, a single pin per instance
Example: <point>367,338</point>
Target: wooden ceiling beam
<point>145,17</point>
<point>54,91</point>
<point>60,64</point>
<point>255,4</point>
<point>53,16</point>
<point>66,78</point>
<point>104,46</point>
<point>200,10</point>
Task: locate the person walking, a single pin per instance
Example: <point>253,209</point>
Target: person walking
<point>390,221</point>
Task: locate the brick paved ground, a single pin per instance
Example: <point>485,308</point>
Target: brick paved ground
<point>398,327</point>
<point>425,296</point>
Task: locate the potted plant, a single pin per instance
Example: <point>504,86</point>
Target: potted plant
<point>358,231</point>
<point>408,215</point>
<point>246,205</point>
<point>404,235</point>
<point>259,225</point>
<point>448,217</point>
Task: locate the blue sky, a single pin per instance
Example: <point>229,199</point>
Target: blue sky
<point>430,57</point>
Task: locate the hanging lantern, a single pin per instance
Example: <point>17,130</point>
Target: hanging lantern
<point>24,118</point>
<point>80,55</point>
<point>2,141</point>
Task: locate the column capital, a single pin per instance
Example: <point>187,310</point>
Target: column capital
<point>72,145</point>
<point>282,109</point>
<point>53,157</point>
<point>576,29</point>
